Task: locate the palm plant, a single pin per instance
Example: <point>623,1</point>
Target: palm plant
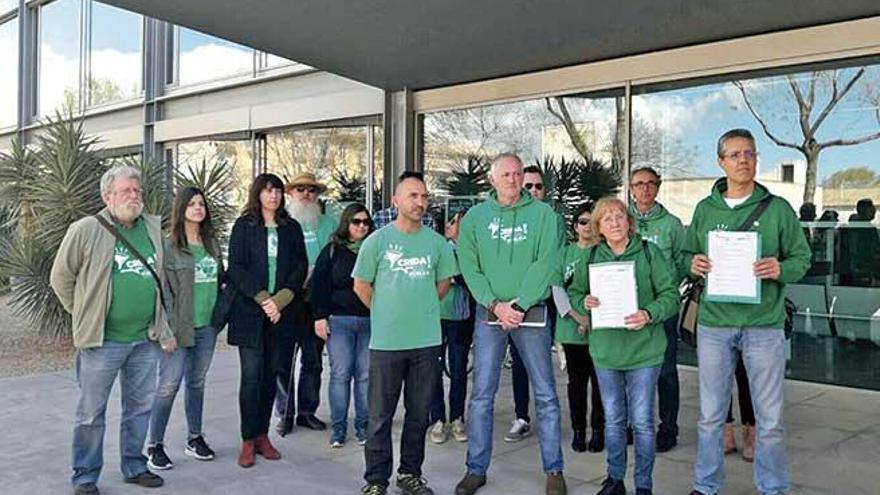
<point>217,182</point>
<point>351,187</point>
<point>468,179</point>
<point>571,184</point>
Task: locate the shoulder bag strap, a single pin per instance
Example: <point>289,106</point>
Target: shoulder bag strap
<point>756,213</point>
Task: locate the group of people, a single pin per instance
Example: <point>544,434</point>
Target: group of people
<point>396,302</point>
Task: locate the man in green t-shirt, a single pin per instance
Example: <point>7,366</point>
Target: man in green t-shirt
<point>402,272</point>
<point>105,286</point>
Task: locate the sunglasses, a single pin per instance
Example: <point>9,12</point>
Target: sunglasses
<point>306,189</point>
<point>357,222</point>
<point>582,222</point>
<point>538,186</point>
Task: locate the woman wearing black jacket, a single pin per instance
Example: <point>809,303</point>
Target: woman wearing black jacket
<point>267,267</point>
<point>344,322</point>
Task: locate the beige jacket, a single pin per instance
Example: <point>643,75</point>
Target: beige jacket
<point>81,276</point>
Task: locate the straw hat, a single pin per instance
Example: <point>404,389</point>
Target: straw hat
<point>306,179</point>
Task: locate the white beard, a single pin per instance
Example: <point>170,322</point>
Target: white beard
<point>304,212</point>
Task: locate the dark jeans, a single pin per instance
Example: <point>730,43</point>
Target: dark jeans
<point>417,372</point>
<point>520,383</point>
<point>581,371</point>
<point>457,338</point>
<point>667,384</point>
<point>746,411</point>
<point>308,389</point>
<point>259,367</point>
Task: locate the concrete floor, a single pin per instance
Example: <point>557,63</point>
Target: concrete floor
<point>834,443</point>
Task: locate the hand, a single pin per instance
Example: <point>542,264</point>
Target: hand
<point>452,227</point>
<point>507,316</point>
<point>322,329</point>
<point>767,268</point>
<point>271,310</point>
<point>591,302</point>
<point>700,265</point>
<point>169,346</point>
<point>637,320</point>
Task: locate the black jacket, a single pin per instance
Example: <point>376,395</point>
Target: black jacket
<point>249,274</point>
<point>332,286</point>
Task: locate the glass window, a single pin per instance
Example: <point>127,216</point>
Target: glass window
<point>8,5</point>
<point>235,155</point>
<point>114,55</point>
<point>202,57</point>
<point>9,76</point>
<point>828,171</point>
<point>272,61</point>
<point>59,47</point>
<point>574,139</point>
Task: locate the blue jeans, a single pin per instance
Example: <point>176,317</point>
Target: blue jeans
<point>629,395</point>
<point>457,338</point>
<point>349,350</point>
<point>533,344</point>
<point>193,363</point>
<point>96,370</point>
<point>763,354</point>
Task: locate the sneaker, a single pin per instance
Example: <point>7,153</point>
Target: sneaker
<point>336,444</point>
<point>556,484</point>
<point>361,439</point>
<point>470,484</point>
<point>438,433</point>
<point>666,440</point>
<point>518,430</point>
<point>146,480</point>
<point>374,489</point>
<point>86,489</point>
<point>198,448</point>
<point>459,431</point>
<point>612,486</point>
<point>157,459</point>
<point>410,484</point>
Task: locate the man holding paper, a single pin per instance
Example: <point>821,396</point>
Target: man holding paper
<point>629,288</point>
<point>742,309</point>
<point>508,249</point>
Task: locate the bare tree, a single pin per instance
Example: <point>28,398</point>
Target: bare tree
<point>806,98</point>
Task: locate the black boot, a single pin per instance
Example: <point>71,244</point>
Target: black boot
<point>579,441</point>
<point>597,441</point>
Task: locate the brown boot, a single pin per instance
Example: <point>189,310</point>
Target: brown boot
<point>556,484</point>
<point>264,448</point>
<point>246,457</point>
<point>729,439</point>
<point>749,434</point>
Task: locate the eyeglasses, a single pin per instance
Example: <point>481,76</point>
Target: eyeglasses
<point>536,186</point>
<point>357,222</point>
<point>642,185</point>
<point>747,154</point>
<point>131,191</point>
<point>583,222</point>
<point>306,189</point>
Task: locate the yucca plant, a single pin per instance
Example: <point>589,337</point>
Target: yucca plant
<point>571,184</point>
<point>216,180</point>
<point>351,187</point>
<point>470,178</point>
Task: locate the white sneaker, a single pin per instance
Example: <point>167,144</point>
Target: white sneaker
<point>438,433</point>
<point>336,444</point>
<point>459,431</point>
<point>518,430</point>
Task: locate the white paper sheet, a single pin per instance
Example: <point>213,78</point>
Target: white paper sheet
<point>614,284</point>
<point>732,277</point>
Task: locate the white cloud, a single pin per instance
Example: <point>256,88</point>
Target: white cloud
<point>214,61</point>
<point>678,113</point>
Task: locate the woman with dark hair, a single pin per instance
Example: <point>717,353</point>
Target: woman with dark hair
<point>342,320</point>
<point>267,268</point>
<point>571,332</point>
<point>192,265</point>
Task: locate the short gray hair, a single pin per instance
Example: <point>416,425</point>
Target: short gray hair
<point>115,172</point>
<point>733,134</point>
<point>502,156</point>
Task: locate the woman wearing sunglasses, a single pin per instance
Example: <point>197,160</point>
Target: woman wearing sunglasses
<point>343,321</point>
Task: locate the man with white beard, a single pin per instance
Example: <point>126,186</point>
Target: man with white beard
<point>303,206</point>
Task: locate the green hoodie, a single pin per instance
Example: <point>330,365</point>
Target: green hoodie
<point>620,348</point>
<point>510,252</point>
<point>781,236</point>
<point>566,326</point>
<point>665,230</point>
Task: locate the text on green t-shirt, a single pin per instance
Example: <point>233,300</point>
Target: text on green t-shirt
<point>133,288</point>
<point>205,286</point>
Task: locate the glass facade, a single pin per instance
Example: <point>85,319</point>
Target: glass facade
<point>9,74</point>
<point>235,154</point>
<point>115,55</point>
<point>59,60</point>
<point>203,58</point>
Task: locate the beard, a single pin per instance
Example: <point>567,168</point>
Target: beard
<point>304,212</point>
<point>128,212</point>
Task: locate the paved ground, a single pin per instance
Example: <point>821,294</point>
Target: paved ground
<point>834,438</point>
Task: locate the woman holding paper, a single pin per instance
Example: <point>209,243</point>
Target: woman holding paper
<point>634,286</point>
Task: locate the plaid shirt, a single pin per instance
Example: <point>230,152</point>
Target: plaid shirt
<point>383,217</point>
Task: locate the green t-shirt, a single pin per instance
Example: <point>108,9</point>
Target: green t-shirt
<point>272,250</point>
<point>205,286</point>
<point>317,236</point>
<point>566,327</point>
<point>133,288</point>
<point>404,270</point>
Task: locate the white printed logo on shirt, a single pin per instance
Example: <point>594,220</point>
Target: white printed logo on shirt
<point>206,270</point>
<point>414,267</point>
<point>126,263</point>
<point>515,234</point>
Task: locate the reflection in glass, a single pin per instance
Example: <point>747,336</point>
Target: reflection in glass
<point>7,5</point>
<point>205,58</point>
<point>237,155</point>
<point>9,74</point>
<point>59,56</point>
<point>114,55</point>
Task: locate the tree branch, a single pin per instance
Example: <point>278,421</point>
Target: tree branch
<point>835,98</point>
<point>761,121</point>
<point>850,142</point>
<point>565,118</point>
<point>804,107</point>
